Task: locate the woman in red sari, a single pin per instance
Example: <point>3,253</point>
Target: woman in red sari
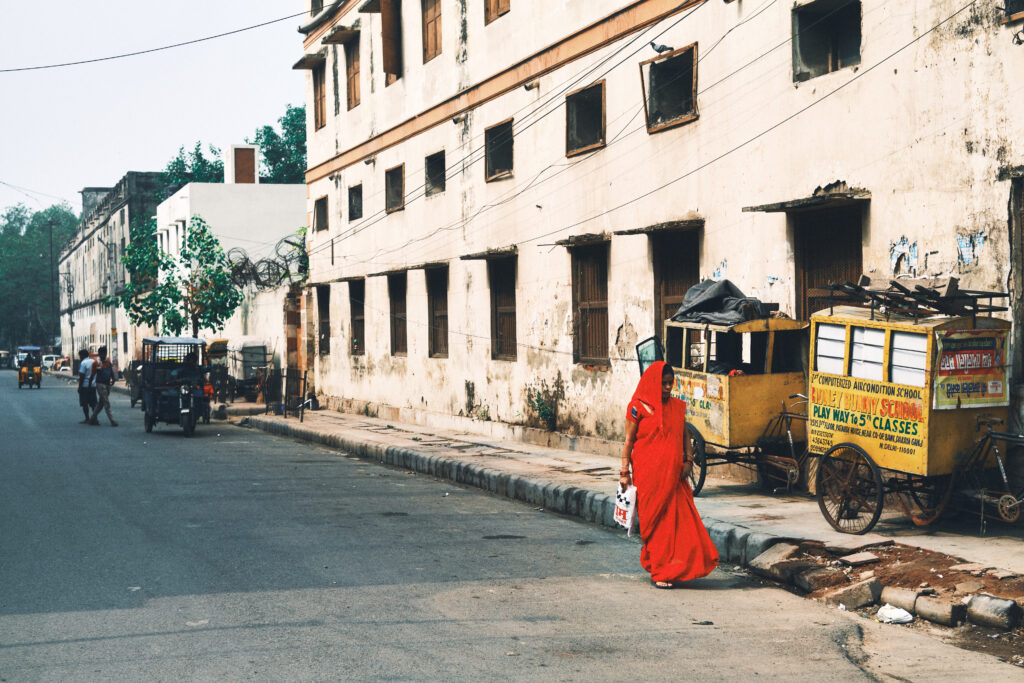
<point>676,545</point>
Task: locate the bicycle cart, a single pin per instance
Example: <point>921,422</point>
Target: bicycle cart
<point>734,379</point>
<point>896,390</point>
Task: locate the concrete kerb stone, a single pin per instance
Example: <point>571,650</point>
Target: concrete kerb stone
<point>756,543</point>
<point>904,598</point>
<point>988,610</point>
<point>941,610</point>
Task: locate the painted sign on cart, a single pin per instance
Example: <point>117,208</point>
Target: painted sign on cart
<point>971,369</point>
<point>881,417</point>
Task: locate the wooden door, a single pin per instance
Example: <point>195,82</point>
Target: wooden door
<point>828,249</point>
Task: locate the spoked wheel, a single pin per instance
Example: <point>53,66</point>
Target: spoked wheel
<point>1009,508</point>
<point>849,486</point>
<point>924,499</point>
<point>775,469</point>
<point>699,472</point>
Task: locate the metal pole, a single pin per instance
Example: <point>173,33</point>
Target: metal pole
<point>54,318</point>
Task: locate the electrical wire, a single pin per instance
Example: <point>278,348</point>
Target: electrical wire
<point>153,49</point>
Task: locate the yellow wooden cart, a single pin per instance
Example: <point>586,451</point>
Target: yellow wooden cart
<point>736,380</point>
<point>896,391</point>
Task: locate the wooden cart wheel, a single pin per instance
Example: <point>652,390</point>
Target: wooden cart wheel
<point>849,486</point>
<point>926,502</point>
<point>699,472</point>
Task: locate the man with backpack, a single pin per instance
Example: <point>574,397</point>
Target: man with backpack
<point>104,376</point>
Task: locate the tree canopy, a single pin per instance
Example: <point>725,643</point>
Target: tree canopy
<point>29,300</point>
<point>283,155</point>
<point>191,290</point>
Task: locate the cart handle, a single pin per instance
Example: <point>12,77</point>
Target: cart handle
<point>798,396</point>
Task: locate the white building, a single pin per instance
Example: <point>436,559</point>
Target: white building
<point>250,220</point>
<point>506,195</point>
<point>91,269</point>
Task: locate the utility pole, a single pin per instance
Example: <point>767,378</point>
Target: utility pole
<point>112,344</point>
<point>54,315</point>
<point>69,287</point>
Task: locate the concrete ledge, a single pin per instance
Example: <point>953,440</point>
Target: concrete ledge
<point>987,610</point>
<point>941,611</point>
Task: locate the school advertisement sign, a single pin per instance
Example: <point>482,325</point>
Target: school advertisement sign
<point>878,416</point>
<point>971,369</point>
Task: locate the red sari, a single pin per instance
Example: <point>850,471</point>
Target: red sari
<point>676,544</point>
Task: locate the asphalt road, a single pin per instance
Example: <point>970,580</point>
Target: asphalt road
<point>234,555</point>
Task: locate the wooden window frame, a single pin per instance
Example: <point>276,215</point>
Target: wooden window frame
<point>430,185</point>
<point>431,29</point>
<point>505,173</point>
<point>437,319</point>
<point>493,9</point>
<point>357,320</point>
<point>500,308</point>
<point>315,7</point>
<point>570,152</point>
<point>834,62</point>
<point>401,169</point>
<point>399,321</point>
<point>391,35</point>
<point>353,94</point>
<point>317,211</point>
<point>319,95</point>
<point>679,121</point>
<point>351,189</point>
<point>582,355</point>
<point>323,320</point>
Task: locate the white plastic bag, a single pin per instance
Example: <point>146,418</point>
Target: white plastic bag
<point>887,614</point>
<point>625,508</point>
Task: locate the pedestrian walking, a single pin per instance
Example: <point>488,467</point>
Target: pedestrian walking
<point>676,544</point>
<point>86,384</point>
<point>104,377</point>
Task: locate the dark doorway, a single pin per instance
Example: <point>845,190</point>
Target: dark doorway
<point>676,269</point>
<point>827,248</point>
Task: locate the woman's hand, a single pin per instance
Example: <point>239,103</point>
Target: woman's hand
<point>625,480</point>
<point>687,469</point>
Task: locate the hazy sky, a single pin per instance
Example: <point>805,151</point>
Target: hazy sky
<point>68,128</point>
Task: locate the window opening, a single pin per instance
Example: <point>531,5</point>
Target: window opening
<point>867,353</point>
<point>831,349</point>
<point>669,82</point>
<point>396,298</point>
<point>434,170</point>
<point>320,214</point>
<point>391,39</point>
<point>323,303</point>
<point>501,274</point>
<point>498,141</point>
<point>907,358</point>
<point>826,38</point>
<point>437,305</point>
<point>394,188</point>
<point>319,96</point>
<point>355,202</point>
<point>590,294</point>
<point>431,29</point>
<point>494,9</point>
<point>585,119</point>
<point>356,299</point>
<point>352,73</point>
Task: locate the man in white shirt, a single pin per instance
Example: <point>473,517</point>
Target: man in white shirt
<point>86,384</point>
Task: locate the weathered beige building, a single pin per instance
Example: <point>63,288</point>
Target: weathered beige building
<point>91,269</point>
<point>505,195</point>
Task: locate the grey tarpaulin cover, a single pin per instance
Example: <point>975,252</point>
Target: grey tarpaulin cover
<point>719,302</point>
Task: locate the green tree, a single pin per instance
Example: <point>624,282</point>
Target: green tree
<point>283,155</point>
<point>190,290</point>
<point>193,167</point>
<point>29,287</point>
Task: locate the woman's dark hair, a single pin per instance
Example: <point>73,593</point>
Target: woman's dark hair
<point>668,369</point>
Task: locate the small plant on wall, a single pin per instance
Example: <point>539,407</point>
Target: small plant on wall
<point>542,401</point>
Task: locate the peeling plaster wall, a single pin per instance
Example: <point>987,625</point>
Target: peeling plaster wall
<point>926,133</point>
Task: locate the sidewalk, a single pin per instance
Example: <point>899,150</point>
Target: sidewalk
<point>583,485</point>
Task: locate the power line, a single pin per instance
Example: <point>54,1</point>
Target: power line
<point>153,49</point>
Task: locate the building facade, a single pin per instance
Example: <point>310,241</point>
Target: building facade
<point>90,265</point>
<point>506,195</point>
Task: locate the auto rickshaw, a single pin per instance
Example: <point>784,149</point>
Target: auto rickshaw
<point>29,371</point>
<point>5,359</point>
<point>174,387</point>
